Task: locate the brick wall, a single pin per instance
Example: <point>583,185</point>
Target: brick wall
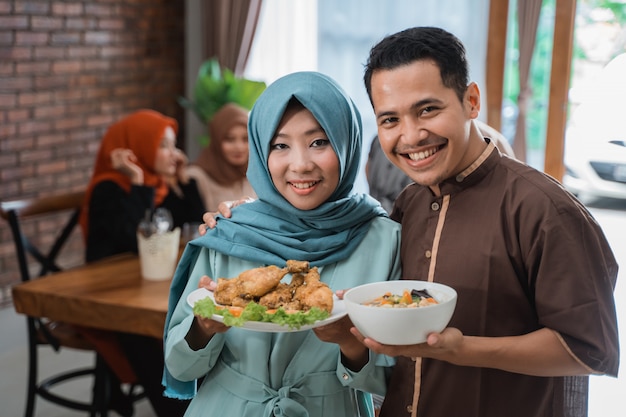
<point>68,69</point>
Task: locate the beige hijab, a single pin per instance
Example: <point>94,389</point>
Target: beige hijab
<point>212,159</point>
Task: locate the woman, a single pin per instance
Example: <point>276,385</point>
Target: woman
<point>305,137</point>
<point>220,170</point>
<point>138,168</point>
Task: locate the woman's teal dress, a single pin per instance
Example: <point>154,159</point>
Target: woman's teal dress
<point>255,374</point>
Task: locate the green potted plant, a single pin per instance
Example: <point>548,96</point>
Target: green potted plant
<point>216,86</point>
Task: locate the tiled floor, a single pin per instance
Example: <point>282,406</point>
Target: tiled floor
<point>607,397</point>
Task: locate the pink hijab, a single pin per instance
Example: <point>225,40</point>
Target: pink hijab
<point>212,159</point>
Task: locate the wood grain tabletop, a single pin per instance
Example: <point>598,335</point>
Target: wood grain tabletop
<point>109,294</point>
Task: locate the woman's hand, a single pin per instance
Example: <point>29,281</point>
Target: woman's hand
<point>181,166</point>
<point>225,209</point>
<point>203,329</point>
<point>354,353</point>
<point>125,161</point>
<point>207,283</point>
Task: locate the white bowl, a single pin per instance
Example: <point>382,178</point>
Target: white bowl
<point>399,326</point>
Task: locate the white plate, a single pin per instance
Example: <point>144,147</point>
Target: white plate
<point>338,312</point>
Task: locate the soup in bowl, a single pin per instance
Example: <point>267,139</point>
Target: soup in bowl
<point>400,312</point>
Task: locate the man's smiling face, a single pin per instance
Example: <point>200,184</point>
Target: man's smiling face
<point>423,127</point>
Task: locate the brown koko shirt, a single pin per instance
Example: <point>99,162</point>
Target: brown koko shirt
<point>522,254</point>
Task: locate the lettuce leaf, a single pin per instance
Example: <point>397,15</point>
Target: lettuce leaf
<point>204,308</point>
<point>256,312</point>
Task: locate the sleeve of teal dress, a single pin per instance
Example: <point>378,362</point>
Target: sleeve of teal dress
<point>382,244</point>
<point>179,357</point>
<point>371,378</point>
<point>186,364</point>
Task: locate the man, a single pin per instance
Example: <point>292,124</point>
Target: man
<point>533,271</point>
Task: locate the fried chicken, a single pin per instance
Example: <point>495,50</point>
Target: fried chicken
<point>314,293</point>
<point>264,286</point>
<point>259,281</point>
<point>248,285</point>
<point>297,266</point>
<point>227,290</point>
<point>281,296</point>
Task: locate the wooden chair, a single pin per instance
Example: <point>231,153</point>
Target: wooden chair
<point>44,332</point>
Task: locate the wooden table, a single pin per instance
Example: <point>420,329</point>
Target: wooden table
<point>109,294</point>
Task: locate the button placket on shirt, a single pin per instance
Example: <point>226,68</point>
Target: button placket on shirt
<point>434,206</point>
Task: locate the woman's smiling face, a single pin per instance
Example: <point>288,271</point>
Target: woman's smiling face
<point>303,165</point>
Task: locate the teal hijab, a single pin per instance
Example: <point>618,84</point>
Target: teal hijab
<point>270,230</point>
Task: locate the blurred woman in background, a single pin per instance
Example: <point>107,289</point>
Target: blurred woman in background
<point>138,169</point>
<point>220,170</point>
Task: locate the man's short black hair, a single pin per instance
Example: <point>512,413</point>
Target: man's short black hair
<point>417,44</point>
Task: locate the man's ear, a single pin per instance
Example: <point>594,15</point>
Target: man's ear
<point>472,98</point>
